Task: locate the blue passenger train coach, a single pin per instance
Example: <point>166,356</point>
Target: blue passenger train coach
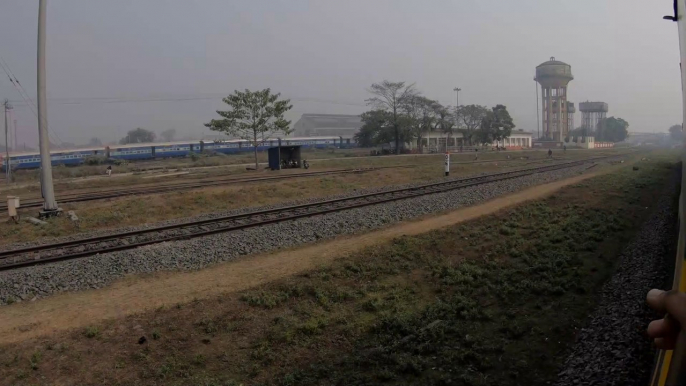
<point>166,150</point>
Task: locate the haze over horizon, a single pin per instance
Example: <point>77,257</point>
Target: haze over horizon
<point>115,66</point>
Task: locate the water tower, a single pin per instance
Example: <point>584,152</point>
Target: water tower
<point>592,113</point>
<point>553,76</point>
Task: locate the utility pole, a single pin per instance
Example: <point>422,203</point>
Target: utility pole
<point>10,136</point>
<point>538,114</point>
<point>50,207</point>
<point>457,97</point>
<point>457,107</point>
<point>8,165</point>
<point>11,133</point>
<point>15,136</point>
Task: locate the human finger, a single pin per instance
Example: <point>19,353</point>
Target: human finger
<point>665,343</point>
<point>655,299</point>
<point>672,302</point>
<point>663,327</point>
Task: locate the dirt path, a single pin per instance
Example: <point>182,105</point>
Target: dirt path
<point>138,293</point>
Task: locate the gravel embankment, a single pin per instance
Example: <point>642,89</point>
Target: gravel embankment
<point>213,215</point>
<point>613,348</point>
<point>97,271</point>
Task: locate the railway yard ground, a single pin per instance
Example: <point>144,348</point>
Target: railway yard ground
<point>239,161</point>
<point>236,192</point>
<point>514,280</point>
<point>146,172</point>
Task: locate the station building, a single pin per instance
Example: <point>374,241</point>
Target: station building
<point>346,126</point>
<point>327,125</point>
<point>440,142</point>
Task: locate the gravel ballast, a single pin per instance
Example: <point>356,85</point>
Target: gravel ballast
<point>612,349</point>
<point>97,271</point>
<point>214,215</point>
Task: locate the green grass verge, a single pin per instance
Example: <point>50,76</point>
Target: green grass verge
<point>495,301</point>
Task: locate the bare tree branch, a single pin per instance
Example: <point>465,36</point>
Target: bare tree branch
<point>390,96</point>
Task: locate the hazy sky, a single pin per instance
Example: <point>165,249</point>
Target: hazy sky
<point>324,54</point>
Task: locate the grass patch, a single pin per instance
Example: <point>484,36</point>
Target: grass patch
<point>492,301</point>
<point>92,332</point>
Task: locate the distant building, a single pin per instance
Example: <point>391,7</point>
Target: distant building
<point>326,125</point>
<point>517,139</point>
<point>436,141</point>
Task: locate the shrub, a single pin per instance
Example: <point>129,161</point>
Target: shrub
<point>92,332</point>
<point>95,160</point>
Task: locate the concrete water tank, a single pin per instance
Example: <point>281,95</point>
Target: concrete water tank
<point>554,73</point>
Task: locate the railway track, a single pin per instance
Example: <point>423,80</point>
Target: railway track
<point>47,253</point>
<point>36,202</point>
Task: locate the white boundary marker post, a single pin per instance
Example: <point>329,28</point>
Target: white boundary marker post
<point>447,164</point>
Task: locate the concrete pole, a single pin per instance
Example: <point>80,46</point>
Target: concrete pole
<point>559,113</point>
<point>551,125</point>
<point>8,166</point>
<point>10,133</point>
<point>544,106</point>
<point>538,114</point>
<point>15,147</point>
<point>49,204</point>
<point>565,112</point>
<point>457,104</point>
<point>544,101</point>
<point>446,163</point>
<point>547,107</point>
<point>10,136</point>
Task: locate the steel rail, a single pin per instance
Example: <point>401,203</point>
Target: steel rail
<point>16,258</point>
<point>34,202</point>
<point>189,185</point>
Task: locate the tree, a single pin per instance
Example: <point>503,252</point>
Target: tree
<point>676,133</point>
<point>612,130</point>
<point>484,134</point>
<point>376,128</point>
<point>420,116</point>
<point>168,135</point>
<point>444,121</point>
<point>95,142</point>
<point>390,96</point>
<point>580,133</point>
<point>496,125</point>
<point>502,123</point>
<point>254,116</point>
<point>138,135</point>
<point>470,118</point>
